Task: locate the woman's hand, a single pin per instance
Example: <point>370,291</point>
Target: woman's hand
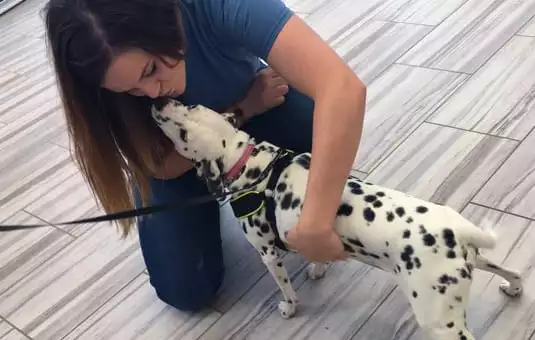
<point>267,92</point>
<point>316,243</point>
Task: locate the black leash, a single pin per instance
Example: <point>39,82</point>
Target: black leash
<point>151,209</point>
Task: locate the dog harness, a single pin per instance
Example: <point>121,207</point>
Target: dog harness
<point>248,203</point>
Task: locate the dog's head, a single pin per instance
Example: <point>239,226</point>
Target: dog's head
<point>207,138</point>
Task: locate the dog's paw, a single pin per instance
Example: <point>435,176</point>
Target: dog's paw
<point>511,290</point>
<point>287,309</point>
<point>316,270</point>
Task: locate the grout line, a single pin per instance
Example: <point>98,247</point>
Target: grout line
<point>524,26</point>
<point>524,36</point>
<point>433,68</point>
<point>497,169</point>
<point>48,223</point>
<point>472,131</point>
<point>101,306</point>
<point>499,210</point>
<point>14,327</point>
<point>405,23</point>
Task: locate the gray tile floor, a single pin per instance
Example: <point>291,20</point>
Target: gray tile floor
<point>451,116</point>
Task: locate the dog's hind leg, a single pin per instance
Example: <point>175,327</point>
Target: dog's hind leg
<point>316,270</point>
<point>511,286</point>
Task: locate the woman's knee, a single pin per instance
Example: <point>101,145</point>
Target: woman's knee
<point>193,291</point>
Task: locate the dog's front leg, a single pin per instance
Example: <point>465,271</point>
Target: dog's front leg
<point>272,260</point>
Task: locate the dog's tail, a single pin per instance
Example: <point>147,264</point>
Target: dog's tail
<point>483,237</point>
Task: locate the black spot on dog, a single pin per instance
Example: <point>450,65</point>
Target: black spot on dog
<point>224,143</point>
<point>183,135</point>
<point>348,248</point>
<point>421,209</point>
<point>450,324</point>
<point>449,238</point>
<point>417,262</point>
<point>422,230</point>
<point>295,203</point>
<point>458,298</point>
<point>240,144</point>
<point>429,240</point>
<point>386,255</point>
<point>279,264</point>
<point>387,244</point>
<point>304,161</point>
<point>406,256</point>
<point>271,242</point>
<point>409,220</point>
<point>389,216</point>
<point>244,229</point>
<point>398,268</point>
<point>264,249</point>
<point>365,253</point>
<point>380,194</point>
<point>259,234</point>
<point>356,242</point>
<point>286,201</point>
<point>255,152</point>
<point>490,265</point>
<point>451,254</point>
<point>377,204</point>
<point>256,222</point>
<point>369,214</point>
<point>344,210</point>
<point>264,228</point>
<point>253,173</point>
<point>414,294</point>
<point>407,234</point>
<point>448,280</point>
<point>400,211</point>
<point>282,187</point>
<point>370,198</point>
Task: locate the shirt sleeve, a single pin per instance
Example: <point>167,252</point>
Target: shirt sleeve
<point>250,24</point>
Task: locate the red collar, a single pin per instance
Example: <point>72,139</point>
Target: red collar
<point>235,170</point>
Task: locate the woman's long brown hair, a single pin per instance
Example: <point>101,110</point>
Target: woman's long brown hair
<point>116,144</point>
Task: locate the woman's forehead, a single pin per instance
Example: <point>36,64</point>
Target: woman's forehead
<point>126,70</point>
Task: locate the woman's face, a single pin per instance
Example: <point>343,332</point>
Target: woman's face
<point>142,74</point>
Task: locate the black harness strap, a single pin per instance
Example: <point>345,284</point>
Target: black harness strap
<point>246,204</point>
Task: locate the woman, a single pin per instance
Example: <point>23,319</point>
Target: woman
<point>113,56</point>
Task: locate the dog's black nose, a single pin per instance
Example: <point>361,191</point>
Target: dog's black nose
<point>160,102</point>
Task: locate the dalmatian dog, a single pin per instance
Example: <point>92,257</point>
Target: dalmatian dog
<point>430,249</point>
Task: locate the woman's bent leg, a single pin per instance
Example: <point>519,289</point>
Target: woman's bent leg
<point>182,248</point>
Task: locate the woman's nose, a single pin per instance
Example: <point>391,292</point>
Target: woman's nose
<point>151,89</point>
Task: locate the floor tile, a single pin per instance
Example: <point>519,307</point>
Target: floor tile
<point>305,6</point>
<point>512,188</point>
<point>20,171</point>
<point>9,333</point>
<point>26,95</point>
<point>330,308</point>
<point>22,252</point>
<point>471,35</point>
<point>442,164</point>
<point>372,47</point>
<point>528,29</point>
<point>256,304</point>
<point>137,313</point>
<point>337,17</point>
<point>492,314</point>
<point>24,18</point>
<point>56,297</point>
<point>398,101</point>
<point>23,54</point>
<point>425,12</point>
<point>69,201</point>
<point>499,98</point>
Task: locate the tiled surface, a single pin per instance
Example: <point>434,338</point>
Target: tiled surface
<point>470,36</point>
<point>499,99</point>
<point>512,188</point>
<point>449,118</point>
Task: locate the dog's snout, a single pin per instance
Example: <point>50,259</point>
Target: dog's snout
<point>159,103</point>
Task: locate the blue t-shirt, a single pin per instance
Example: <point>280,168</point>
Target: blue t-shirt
<point>225,39</point>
